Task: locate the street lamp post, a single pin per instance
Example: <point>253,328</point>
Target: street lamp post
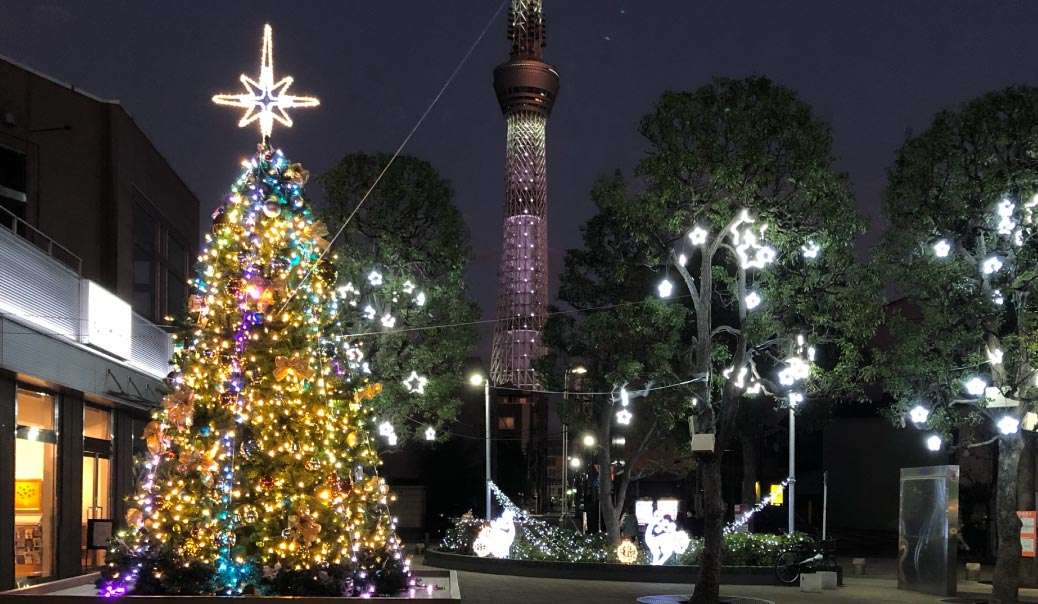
<point>579,370</point>
<point>476,379</point>
<point>792,468</point>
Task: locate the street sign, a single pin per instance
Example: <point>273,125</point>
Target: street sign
<point>1028,533</point>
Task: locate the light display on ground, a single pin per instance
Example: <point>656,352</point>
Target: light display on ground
<point>663,539</point>
<point>496,538</point>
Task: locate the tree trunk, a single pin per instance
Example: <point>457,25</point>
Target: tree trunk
<point>1025,500</point>
<point>1007,565</point>
<point>606,508</point>
<point>708,587</point>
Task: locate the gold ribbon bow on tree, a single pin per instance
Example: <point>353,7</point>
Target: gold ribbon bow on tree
<point>154,437</point>
<point>320,231</point>
<point>296,368</point>
<point>179,407</point>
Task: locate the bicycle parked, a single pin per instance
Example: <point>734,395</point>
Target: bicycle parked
<point>806,559</point>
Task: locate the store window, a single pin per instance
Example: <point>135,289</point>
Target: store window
<point>97,485</point>
<point>35,461</point>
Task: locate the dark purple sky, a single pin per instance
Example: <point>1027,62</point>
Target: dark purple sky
<point>873,69</point>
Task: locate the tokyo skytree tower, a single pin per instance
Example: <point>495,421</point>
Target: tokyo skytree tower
<point>526,88</point>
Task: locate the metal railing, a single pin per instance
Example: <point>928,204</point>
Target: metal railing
<point>41,240</point>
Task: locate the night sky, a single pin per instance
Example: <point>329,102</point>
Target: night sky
<point>873,69</point>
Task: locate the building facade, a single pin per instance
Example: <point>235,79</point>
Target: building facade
<point>96,242</point>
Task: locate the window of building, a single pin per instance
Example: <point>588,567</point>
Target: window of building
<point>506,423</point>
<point>97,474</point>
<point>13,179</point>
<point>160,265</point>
<point>176,276</point>
<point>145,237</point>
<point>35,473</point>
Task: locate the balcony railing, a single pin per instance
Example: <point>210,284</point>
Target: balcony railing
<point>42,291</point>
<point>40,239</point>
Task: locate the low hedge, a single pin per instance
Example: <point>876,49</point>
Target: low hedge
<point>541,541</point>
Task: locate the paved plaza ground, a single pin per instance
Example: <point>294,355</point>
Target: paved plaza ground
<point>478,588</point>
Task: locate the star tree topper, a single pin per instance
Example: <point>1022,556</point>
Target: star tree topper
<point>266,100</point>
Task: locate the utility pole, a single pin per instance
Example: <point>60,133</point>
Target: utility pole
<point>792,468</point>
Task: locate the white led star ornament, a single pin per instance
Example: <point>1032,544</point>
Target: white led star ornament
<point>266,100</point>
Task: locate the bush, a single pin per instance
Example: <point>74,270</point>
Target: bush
<point>750,549</point>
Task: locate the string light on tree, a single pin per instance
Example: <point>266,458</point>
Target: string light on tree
<point>262,460</point>
<point>942,248</point>
<point>933,443</point>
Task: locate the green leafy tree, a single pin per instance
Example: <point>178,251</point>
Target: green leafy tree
<point>629,346</point>
<point>410,230</point>
<point>751,228</point>
<point>961,201</point>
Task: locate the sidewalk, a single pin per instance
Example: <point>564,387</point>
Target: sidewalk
<point>878,587</point>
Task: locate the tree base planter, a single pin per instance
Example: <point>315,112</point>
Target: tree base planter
<point>80,590</point>
<point>595,571</point>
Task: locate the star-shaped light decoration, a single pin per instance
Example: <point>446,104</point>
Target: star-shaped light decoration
<point>266,100</point>
<point>415,384</point>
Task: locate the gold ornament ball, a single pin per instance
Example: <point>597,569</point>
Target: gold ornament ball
<point>627,552</point>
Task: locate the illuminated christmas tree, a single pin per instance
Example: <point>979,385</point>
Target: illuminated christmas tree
<point>262,467</point>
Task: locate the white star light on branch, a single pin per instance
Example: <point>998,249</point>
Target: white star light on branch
<point>415,384</point>
<point>991,265</point>
<point>266,100</point>
<point>919,414</point>
<point>697,236</point>
<point>976,386</point>
<point>942,248</point>
<point>1008,425</point>
<point>811,249</point>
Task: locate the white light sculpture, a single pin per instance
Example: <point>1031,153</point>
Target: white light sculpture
<point>265,100</point>
<point>663,539</point>
<point>623,417</point>
<point>496,539</point>
<point>942,248</point>
<point>933,443</point>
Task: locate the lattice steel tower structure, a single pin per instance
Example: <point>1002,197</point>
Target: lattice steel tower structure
<point>526,88</point>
